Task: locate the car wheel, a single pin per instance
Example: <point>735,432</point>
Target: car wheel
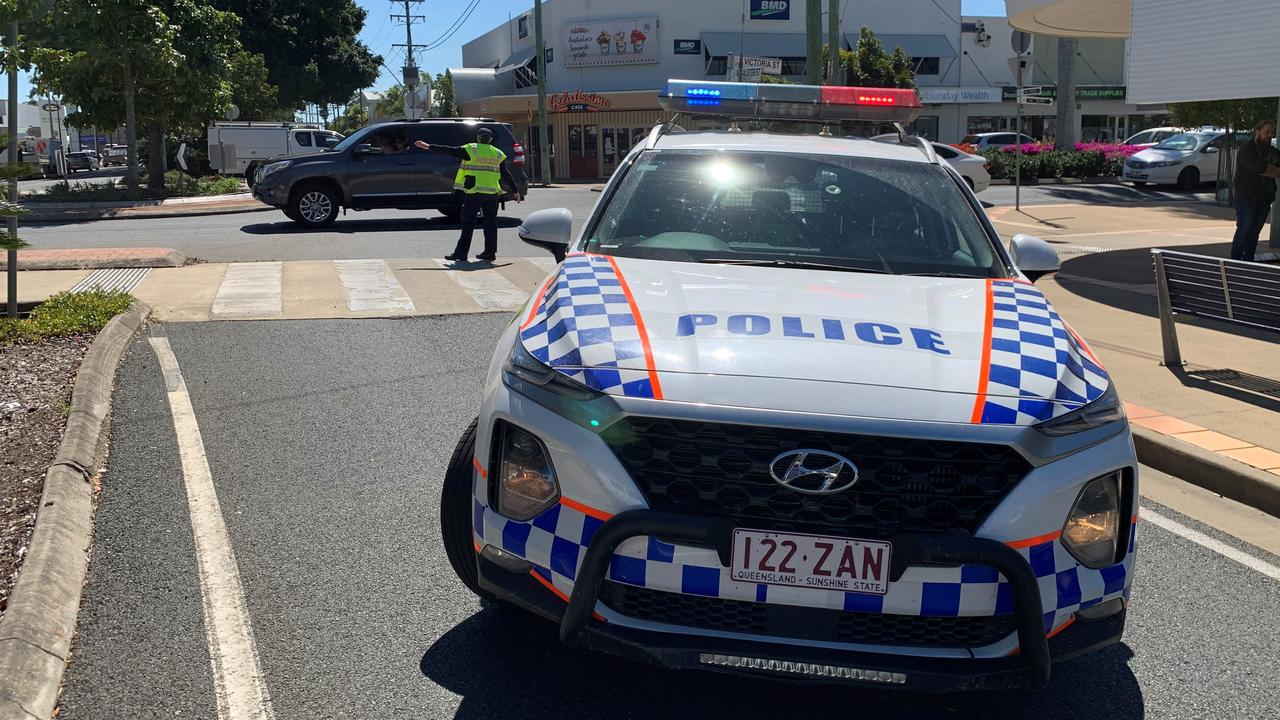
<point>453,214</point>
<point>1189,179</point>
<point>289,213</point>
<point>455,513</point>
<point>316,206</point>
<point>250,171</point>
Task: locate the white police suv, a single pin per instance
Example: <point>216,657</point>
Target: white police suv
<point>789,407</point>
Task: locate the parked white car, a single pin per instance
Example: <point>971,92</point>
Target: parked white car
<point>973,168</point>
<point>237,148</point>
<point>1186,160</point>
<point>982,141</point>
<point>1153,136</point>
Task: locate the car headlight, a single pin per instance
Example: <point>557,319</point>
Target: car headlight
<point>274,168</point>
<point>1106,409</point>
<point>1166,163</point>
<point>526,480</point>
<point>566,397</point>
<point>1092,530</point>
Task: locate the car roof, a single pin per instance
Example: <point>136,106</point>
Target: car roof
<point>778,142</point>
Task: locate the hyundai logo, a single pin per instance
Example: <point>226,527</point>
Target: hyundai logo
<point>813,472</point>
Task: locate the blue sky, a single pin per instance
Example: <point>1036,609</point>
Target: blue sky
<point>380,31</point>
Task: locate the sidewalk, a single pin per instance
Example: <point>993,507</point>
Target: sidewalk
<point>1226,400</point>
<point>170,207</point>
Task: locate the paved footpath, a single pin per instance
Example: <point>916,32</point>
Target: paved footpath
<point>310,289</point>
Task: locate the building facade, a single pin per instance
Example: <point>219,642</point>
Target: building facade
<point>605,65</point>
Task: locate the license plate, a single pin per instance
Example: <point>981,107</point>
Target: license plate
<point>811,561</point>
<point>1139,176</point>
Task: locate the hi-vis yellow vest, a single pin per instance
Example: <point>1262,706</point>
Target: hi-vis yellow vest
<point>483,166</point>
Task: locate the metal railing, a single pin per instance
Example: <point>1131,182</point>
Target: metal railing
<point>1231,291</point>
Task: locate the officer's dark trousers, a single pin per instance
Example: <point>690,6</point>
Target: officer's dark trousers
<point>486,205</point>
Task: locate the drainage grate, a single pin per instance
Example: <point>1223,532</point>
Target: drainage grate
<point>125,279</point>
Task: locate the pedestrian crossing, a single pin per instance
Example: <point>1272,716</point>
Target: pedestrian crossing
<point>308,289</point>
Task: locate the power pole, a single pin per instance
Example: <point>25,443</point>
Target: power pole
<point>544,147</point>
<point>833,41</point>
<point>411,79</point>
<point>13,163</point>
<point>1064,136</point>
<point>812,41</point>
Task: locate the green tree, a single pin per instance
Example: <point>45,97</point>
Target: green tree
<point>869,65</point>
<point>392,103</point>
<point>251,89</point>
<point>1226,114</point>
<point>442,103</point>
<point>354,116</point>
<point>310,47</point>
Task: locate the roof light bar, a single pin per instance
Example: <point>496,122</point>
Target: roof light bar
<point>769,101</point>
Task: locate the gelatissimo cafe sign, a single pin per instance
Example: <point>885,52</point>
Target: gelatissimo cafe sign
<point>577,101</point>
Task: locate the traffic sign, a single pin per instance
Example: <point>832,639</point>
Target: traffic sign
<point>182,156</point>
<point>1033,100</point>
<point>1020,41</point>
<point>1018,65</point>
<point>1033,90</point>
<point>50,107</point>
<point>41,146</point>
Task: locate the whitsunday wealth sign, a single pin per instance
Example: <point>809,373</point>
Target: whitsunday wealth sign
<point>630,41</point>
<point>952,95</point>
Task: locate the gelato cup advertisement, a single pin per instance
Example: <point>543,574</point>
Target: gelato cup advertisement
<point>611,42</point>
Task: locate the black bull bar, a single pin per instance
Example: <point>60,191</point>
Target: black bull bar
<point>908,549</point>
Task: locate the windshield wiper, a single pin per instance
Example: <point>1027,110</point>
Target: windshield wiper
<point>805,264</point>
<point>946,274</point>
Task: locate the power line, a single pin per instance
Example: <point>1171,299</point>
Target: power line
<point>455,27</point>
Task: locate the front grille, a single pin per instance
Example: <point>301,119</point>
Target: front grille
<point>1137,164</point>
<point>905,485</point>
<point>802,623</point>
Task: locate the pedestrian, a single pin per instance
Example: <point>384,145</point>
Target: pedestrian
<point>479,184</point>
<point>1255,184</point>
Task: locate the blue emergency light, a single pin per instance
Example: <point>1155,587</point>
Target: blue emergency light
<point>769,101</point>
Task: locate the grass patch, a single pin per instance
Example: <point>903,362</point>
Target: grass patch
<point>66,314</point>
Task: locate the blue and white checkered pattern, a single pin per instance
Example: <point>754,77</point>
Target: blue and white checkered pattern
<point>585,329</point>
<point>556,542</point>
<point>1038,370</point>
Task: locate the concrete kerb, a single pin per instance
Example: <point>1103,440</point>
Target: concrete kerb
<point>1209,470</point>
<point>37,629</point>
<point>62,216</point>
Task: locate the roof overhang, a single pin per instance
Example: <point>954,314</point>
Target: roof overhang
<point>1071,18</point>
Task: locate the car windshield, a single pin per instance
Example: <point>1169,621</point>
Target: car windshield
<point>815,211</point>
<point>1182,141</point>
<point>354,139</point>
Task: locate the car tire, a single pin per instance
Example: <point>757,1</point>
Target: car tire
<point>1189,179</point>
<point>250,171</point>
<point>455,513</point>
<point>1139,183</point>
<point>452,214</point>
<point>315,206</point>
<point>288,212</point>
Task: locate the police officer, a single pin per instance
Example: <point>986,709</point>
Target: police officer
<point>479,180</point>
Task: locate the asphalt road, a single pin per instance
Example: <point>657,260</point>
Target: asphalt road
<point>269,235</point>
<point>326,442</point>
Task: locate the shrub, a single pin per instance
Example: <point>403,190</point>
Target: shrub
<point>1040,160</point>
<point>66,313</point>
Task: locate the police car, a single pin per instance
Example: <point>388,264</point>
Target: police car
<point>789,407</point>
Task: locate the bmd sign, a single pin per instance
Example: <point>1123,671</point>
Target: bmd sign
<point>770,9</point>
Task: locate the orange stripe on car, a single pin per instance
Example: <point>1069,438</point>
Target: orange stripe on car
<point>537,302</point>
<point>585,509</point>
<point>1070,621</point>
<point>1028,542</point>
<point>560,593</point>
<point>1083,345</point>
<point>475,462</point>
<point>984,368</point>
<point>644,334</point>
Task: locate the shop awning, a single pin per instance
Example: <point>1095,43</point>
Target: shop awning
<point>475,83</point>
<point>774,45</point>
<point>516,59</point>
<point>917,46</point>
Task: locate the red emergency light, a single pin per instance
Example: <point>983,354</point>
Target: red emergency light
<point>776,101</point>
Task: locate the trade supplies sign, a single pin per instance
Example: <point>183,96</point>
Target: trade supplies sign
<point>770,9</point>
<point>611,42</point>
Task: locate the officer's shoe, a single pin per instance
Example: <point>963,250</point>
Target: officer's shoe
<point>456,257</point>
<point>487,257</point>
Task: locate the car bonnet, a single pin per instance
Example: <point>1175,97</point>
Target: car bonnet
<point>910,347</point>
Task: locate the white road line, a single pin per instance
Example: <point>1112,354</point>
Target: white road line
<point>238,684</point>
<point>251,289</point>
<point>370,285</point>
<point>487,287</point>
<point>1217,546</point>
<point>544,262</point>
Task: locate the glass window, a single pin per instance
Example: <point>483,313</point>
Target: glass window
<point>945,151</point>
<point>858,214</point>
<point>575,140</point>
<point>926,127</point>
<point>523,25</point>
<point>302,138</point>
<point>927,65</point>
<point>1142,138</point>
<point>1182,141</point>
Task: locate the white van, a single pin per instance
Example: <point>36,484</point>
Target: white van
<point>237,148</point>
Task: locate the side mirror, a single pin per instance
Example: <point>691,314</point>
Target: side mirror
<point>1210,149</point>
<point>365,149</point>
<point>1033,256</point>
<point>550,229</point>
